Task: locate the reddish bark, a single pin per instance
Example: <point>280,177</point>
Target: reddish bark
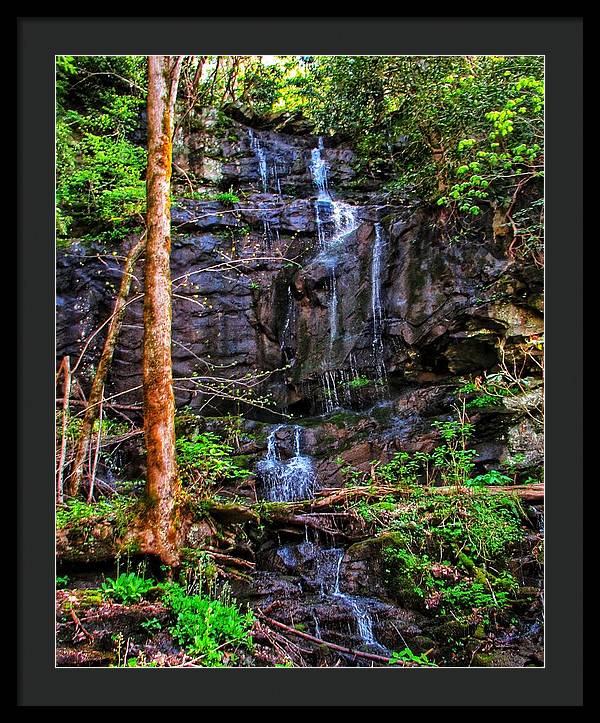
<point>159,405</point>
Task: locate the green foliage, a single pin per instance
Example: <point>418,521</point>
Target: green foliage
<point>117,509</point>
<point>370,511</point>
<point>62,581</point>
<point>227,198</point>
<point>127,588</point>
<point>108,427</point>
<point>493,477</point>
<point>408,572</point>
<point>406,655</point>
<point>138,662</point>
<point>100,192</point>
<point>467,596</point>
<point>486,391</point>
<point>471,535</point>
<point>359,382</point>
<point>152,625</point>
<point>205,626</point>
<point>204,460</point>
<point>403,468</point>
<point>75,511</point>
<point>482,525</point>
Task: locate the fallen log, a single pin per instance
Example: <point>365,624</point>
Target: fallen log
<point>528,493</point>
<point>333,646</point>
<point>331,496</point>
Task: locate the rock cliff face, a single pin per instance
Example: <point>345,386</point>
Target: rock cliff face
<point>279,282</point>
<point>365,314</point>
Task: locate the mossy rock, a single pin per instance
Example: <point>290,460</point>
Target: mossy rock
<point>374,546</point>
<point>344,419</point>
<point>452,630</point>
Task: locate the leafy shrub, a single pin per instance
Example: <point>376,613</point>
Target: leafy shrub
<point>469,596</point>
<point>204,460</point>
<point>151,625</point>
<point>493,477</point>
<point>128,588</point>
<point>407,656</point>
<point>205,626</point>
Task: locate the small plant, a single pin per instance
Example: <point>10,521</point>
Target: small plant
<point>128,588</point>
<point>204,460</point>
<point>473,596</point>
<point>403,468</point>
<point>62,581</point>
<point>493,477</point>
<point>227,198</point>
<point>118,509</point>
<point>407,656</point>
<point>359,382</point>
<point>152,625</point>
<point>454,459</point>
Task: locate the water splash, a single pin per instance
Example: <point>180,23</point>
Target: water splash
<point>286,480</point>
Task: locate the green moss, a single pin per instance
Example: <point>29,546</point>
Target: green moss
<point>344,419</point>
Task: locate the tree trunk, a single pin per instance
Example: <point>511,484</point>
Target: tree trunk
<point>65,369</point>
<point>95,398</point>
<point>159,404</point>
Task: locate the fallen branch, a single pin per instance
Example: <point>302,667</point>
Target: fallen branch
<point>333,646</point>
<point>231,560</point>
<point>78,625</point>
<point>96,392</point>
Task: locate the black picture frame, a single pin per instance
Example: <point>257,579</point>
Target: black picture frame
<point>559,683</point>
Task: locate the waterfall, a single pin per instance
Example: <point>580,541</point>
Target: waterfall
<point>329,564</point>
<point>286,480</point>
<point>318,169</point>
<point>333,305</point>
<point>288,318</point>
<point>261,157</point>
<point>377,310</point>
<point>334,221</point>
<point>330,395</point>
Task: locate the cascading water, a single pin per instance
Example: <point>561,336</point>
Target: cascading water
<point>318,169</point>
<point>364,621</point>
<point>327,567</point>
<point>334,221</point>
<point>289,315</point>
<point>333,310</point>
<point>261,157</point>
<point>286,480</point>
<point>376,307</point>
